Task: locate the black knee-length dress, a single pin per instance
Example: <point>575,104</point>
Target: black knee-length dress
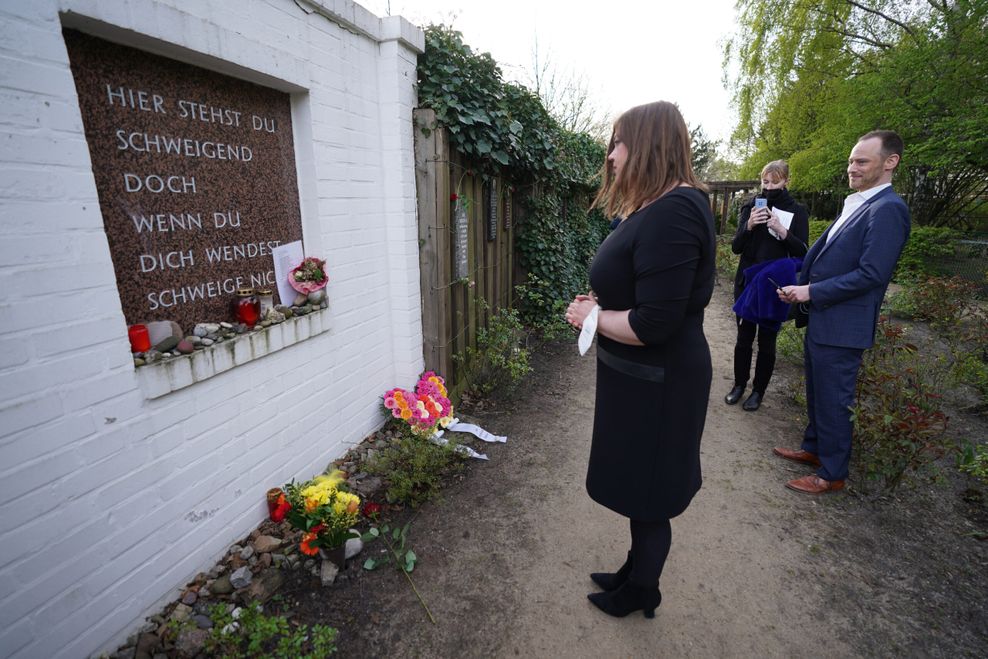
<point>652,399</point>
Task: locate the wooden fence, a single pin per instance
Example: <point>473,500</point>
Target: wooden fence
<point>467,263</point>
<point>726,190</point>
<point>466,250</point>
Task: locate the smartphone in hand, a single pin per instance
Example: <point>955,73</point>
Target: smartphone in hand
<point>761,202</point>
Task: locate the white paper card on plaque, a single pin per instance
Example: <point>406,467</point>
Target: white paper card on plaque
<point>286,258</point>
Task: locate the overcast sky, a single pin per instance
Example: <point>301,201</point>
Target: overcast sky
<point>629,51</point>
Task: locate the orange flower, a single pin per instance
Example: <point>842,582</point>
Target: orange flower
<point>307,548</point>
<point>406,414</point>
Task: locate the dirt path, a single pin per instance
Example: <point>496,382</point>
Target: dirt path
<point>505,555</point>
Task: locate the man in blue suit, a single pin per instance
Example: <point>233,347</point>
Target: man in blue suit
<point>842,284</point>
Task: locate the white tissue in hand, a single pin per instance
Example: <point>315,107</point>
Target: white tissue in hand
<point>589,329</point>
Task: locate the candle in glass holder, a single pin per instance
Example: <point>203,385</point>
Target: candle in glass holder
<point>246,308</point>
<point>266,299</point>
<point>140,340</point>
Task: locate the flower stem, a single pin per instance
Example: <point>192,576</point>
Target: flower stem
<point>397,564</point>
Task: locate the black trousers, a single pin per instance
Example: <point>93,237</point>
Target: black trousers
<point>650,542</point>
<point>765,363</point>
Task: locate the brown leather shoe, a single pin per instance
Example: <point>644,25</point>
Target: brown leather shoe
<point>797,456</point>
<point>813,484</point>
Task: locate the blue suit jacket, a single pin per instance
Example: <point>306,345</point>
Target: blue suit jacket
<point>849,275</point>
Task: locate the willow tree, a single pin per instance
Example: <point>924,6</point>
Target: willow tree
<point>812,76</point>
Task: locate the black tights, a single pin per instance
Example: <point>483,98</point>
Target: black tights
<point>742,355</point>
<point>650,543</point>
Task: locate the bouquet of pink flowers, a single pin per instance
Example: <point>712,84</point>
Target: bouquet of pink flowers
<point>309,275</point>
<point>426,409</point>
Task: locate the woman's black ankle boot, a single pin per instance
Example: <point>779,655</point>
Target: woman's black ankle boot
<point>613,580</point>
<point>628,598</point>
<point>734,395</point>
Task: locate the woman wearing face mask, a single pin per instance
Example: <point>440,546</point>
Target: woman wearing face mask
<point>756,244</point>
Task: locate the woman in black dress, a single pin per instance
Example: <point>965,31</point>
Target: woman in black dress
<point>756,244</point>
<point>652,277</point>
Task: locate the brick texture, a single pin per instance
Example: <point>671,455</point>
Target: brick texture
<point>110,500</point>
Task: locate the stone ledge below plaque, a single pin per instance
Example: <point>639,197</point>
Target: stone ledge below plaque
<point>164,377</point>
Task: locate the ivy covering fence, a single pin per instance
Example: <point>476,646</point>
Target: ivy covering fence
<point>497,135</point>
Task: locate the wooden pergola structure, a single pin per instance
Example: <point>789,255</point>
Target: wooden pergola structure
<point>727,191</point>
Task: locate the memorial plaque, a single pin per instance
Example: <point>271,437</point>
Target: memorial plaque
<point>490,199</point>
<point>196,178</point>
<point>461,236</point>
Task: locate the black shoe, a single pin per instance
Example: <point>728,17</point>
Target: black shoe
<point>628,598</point>
<point>753,403</point>
<point>613,580</point>
<point>734,396</point>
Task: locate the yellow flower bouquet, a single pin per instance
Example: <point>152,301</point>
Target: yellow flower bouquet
<point>323,510</point>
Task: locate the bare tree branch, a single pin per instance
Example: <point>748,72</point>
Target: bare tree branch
<point>886,17</point>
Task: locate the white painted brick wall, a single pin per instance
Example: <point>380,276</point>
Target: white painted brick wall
<point>109,500</point>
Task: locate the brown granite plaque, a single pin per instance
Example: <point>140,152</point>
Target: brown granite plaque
<point>195,172</point>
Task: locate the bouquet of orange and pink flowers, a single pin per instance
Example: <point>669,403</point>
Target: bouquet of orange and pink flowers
<point>426,409</point>
<point>322,509</point>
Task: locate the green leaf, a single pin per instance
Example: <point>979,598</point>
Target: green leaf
<point>515,127</point>
<point>500,156</point>
<point>483,146</point>
<point>371,563</point>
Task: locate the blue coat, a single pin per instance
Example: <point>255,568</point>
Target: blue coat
<point>848,276</point>
<point>759,301</point>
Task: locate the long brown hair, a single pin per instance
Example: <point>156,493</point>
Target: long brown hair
<point>659,158</point>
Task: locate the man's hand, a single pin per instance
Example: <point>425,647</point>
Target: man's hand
<point>791,294</point>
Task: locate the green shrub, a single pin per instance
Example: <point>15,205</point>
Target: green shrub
<point>255,635</point>
<point>973,459</point>
<point>548,317</point>
<point>498,361</point>
<point>414,468</point>
<point>727,260</point>
<point>972,371</point>
<point>817,227</point>
<point>899,422</point>
<point>555,246</point>
<point>924,245</point>
<point>969,346</point>
<point>941,302</point>
<point>789,345</point>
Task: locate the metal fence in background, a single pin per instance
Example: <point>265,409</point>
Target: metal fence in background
<point>970,261</point>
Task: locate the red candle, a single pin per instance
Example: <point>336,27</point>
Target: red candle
<point>140,341</point>
<point>246,308</point>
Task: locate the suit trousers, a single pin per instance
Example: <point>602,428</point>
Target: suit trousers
<point>831,379</point>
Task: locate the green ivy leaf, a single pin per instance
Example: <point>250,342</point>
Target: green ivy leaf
<point>371,563</point>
